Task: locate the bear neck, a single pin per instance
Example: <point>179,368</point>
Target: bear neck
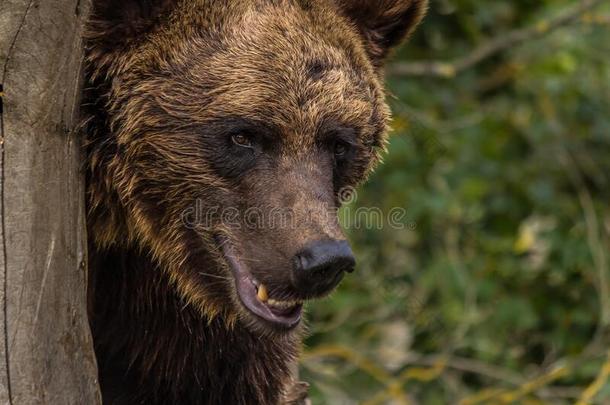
<point>152,348</point>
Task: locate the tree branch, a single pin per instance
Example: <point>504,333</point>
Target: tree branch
<point>493,46</point>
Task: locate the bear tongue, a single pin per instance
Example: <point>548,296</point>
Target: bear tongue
<point>286,311</point>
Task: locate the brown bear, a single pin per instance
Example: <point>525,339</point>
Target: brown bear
<point>202,118</point>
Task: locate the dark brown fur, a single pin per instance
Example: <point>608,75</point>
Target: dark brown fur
<point>169,81</point>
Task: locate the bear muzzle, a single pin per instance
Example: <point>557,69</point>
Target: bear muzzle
<point>316,271</point>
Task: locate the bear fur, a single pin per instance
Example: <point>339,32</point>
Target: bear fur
<point>207,106</point>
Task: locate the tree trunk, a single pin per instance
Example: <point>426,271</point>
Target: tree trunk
<point>46,354</point>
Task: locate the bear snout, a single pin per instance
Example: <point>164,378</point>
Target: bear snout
<point>319,267</point>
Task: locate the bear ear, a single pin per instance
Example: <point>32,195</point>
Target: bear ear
<point>113,23</point>
<point>384,24</point>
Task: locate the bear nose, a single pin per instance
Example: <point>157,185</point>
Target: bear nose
<point>320,266</point>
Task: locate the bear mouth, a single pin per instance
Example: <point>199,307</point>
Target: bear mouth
<point>254,296</point>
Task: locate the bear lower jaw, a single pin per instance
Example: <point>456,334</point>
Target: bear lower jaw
<point>280,315</point>
<point>284,315</point>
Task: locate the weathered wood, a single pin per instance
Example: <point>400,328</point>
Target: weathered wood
<point>46,354</point>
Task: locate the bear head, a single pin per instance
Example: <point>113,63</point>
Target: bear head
<point>222,135</point>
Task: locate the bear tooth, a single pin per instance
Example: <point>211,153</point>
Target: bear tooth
<point>262,293</point>
<point>282,304</point>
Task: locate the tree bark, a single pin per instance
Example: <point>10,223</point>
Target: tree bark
<point>46,354</point>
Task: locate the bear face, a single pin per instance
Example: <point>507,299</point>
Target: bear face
<point>220,138</point>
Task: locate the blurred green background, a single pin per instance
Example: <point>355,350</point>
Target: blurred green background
<point>496,289</point>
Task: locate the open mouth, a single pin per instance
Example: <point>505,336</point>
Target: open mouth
<point>255,296</point>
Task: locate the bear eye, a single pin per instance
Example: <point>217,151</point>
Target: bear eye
<point>241,140</point>
<point>341,149</point>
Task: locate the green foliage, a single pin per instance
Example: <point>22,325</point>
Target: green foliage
<point>499,275</point>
